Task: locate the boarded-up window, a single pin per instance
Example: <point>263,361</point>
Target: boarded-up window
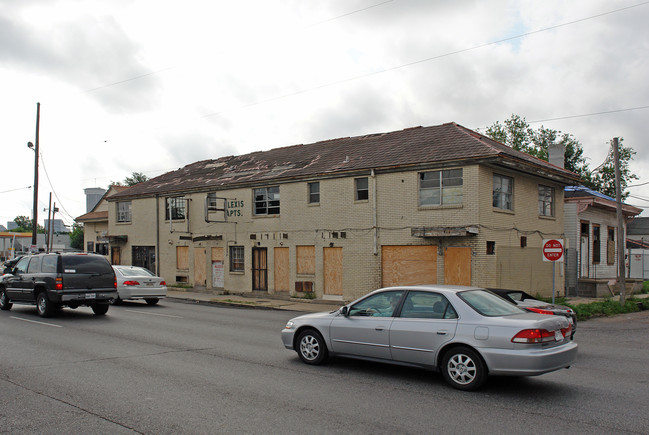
<point>408,265</point>
<point>610,246</point>
<point>182,257</point>
<point>305,264</point>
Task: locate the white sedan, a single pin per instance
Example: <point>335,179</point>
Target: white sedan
<point>135,282</point>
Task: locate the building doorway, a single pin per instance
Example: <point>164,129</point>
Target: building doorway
<point>144,256</point>
<point>260,269</point>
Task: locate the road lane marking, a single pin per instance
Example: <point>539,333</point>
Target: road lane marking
<point>35,321</point>
<point>154,314</point>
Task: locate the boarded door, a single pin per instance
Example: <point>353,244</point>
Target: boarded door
<point>333,271</point>
<point>200,264</point>
<point>282,270</point>
<point>408,265</point>
<point>457,266</point>
<point>218,275</point>
<point>115,255</point>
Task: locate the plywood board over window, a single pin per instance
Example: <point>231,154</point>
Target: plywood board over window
<point>182,257</point>
<point>200,265</point>
<point>305,261</point>
<point>333,271</point>
<point>457,266</point>
<point>282,270</point>
<point>408,265</point>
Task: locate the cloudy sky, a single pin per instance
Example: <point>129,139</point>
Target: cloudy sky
<point>150,85</point>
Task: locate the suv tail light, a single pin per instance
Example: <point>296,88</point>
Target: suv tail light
<point>115,282</point>
<point>131,283</point>
<point>58,283</point>
<point>538,310</point>
<point>530,336</point>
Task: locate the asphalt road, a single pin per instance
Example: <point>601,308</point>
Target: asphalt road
<point>190,368</point>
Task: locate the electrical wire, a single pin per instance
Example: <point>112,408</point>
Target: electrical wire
<point>54,191</point>
<point>13,190</point>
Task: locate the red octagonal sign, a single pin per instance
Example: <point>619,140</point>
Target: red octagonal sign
<point>553,250</point>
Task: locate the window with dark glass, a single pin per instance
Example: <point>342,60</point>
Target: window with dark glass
<point>503,192</point>
<point>596,244</point>
<point>267,200</point>
<point>610,246</point>
<point>236,259</point>
<point>362,189</point>
<point>314,192</point>
<point>124,211</point>
<point>440,187</point>
<point>176,208</point>
<point>546,201</point>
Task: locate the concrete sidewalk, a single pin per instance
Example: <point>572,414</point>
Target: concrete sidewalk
<point>272,302</point>
<point>268,302</point>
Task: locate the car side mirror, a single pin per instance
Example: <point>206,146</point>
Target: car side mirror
<point>344,311</point>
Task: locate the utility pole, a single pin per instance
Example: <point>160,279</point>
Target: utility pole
<point>620,224</point>
<point>49,225</point>
<point>31,145</point>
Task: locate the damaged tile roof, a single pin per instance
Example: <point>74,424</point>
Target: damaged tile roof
<point>438,145</point>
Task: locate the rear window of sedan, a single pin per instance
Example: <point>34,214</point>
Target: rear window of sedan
<point>134,271</point>
<point>488,304</point>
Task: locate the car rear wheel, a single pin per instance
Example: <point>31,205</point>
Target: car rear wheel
<point>100,309</point>
<point>44,307</point>
<point>4,300</point>
<point>463,368</point>
<point>152,301</point>
<point>311,347</point>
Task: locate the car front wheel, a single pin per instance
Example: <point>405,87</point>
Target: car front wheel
<point>100,309</point>
<point>4,300</point>
<point>463,369</point>
<point>311,347</point>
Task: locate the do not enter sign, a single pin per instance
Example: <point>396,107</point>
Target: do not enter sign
<point>553,250</point>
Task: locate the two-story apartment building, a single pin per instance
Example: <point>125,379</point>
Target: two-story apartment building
<point>341,217</point>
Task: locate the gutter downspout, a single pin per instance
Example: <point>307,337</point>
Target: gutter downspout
<point>375,212</point>
<point>157,234</point>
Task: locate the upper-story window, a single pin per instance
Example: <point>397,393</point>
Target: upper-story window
<point>314,192</point>
<point>176,208</point>
<point>440,187</point>
<point>503,193</point>
<point>546,201</point>
<point>124,211</point>
<point>267,200</point>
<point>361,188</point>
<point>211,201</point>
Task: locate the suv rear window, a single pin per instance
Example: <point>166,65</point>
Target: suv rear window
<point>85,264</point>
<point>49,264</point>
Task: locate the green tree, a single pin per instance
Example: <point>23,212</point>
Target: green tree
<point>135,178</point>
<point>76,237</point>
<point>25,225</point>
<point>518,134</point>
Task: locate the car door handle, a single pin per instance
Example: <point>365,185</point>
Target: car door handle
<point>442,332</point>
<point>379,328</point>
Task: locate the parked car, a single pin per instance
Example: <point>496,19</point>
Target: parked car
<point>530,303</point>
<point>54,280</point>
<point>466,333</point>
<point>135,282</point>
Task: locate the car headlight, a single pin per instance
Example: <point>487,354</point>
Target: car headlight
<point>289,324</point>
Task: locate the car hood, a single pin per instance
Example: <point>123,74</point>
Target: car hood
<point>314,316</point>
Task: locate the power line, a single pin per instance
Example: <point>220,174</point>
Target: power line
<point>428,59</point>
<point>590,114</point>
<point>53,190</point>
<point>13,190</point>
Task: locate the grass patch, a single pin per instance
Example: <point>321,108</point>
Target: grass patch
<point>180,285</point>
<point>608,307</point>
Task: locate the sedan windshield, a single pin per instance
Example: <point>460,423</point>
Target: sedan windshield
<point>488,304</point>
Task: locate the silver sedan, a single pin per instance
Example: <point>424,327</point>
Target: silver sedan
<point>135,282</point>
<point>466,333</point>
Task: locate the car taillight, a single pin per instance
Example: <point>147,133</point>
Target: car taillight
<point>567,332</point>
<point>163,283</point>
<point>538,310</point>
<point>58,283</point>
<point>533,336</point>
<point>115,282</point>
<point>131,283</point>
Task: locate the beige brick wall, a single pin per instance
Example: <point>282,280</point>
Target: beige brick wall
<point>397,211</point>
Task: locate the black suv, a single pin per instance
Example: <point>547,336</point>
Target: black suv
<point>51,281</point>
